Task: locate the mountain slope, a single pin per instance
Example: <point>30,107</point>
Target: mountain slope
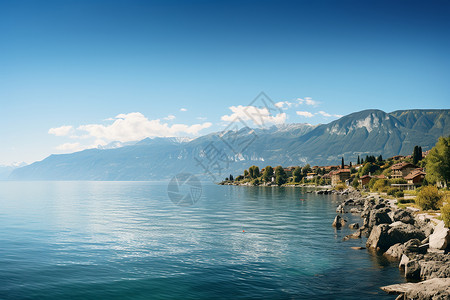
<point>366,132</point>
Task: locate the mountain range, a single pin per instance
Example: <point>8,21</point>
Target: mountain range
<point>216,155</point>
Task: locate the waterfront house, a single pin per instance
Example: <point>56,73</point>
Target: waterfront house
<point>364,180</point>
<point>339,176</point>
<point>402,169</point>
<point>415,177</point>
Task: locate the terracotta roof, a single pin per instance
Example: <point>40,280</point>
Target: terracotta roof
<point>381,176</point>
<point>414,174</point>
<point>402,165</point>
<point>365,176</point>
<point>343,171</point>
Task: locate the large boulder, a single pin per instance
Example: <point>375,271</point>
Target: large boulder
<point>440,238</point>
<point>353,226</point>
<point>435,289</point>
<point>412,270</point>
<point>383,236</point>
<point>395,251</point>
<point>403,216</point>
<point>338,222</point>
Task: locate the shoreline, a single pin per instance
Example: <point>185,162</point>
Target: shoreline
<point>421,245</point>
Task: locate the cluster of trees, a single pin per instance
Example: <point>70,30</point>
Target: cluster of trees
<point>278,175</point>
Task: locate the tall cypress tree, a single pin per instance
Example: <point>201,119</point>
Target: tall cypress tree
<point>358,161</point>
<point>415,155</point>
<point>342,163</point>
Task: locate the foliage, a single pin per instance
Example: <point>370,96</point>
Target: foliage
<point>255,181</point>
<point>445,213</point>
<point>398,181</point>
<point>406,201</point>
<point>369,168</point>
<point>246,174</point>
<point>429,197</point>
<point>306,169</point>
<point>438,162</point>
<point>267,174</point>
<point>399,194</point>
<point>358,161</point>
<point>355,183</point>
<point>342,163</point>
<point>391,191</point>
<point>340,187</point>
<point>253,172</point>
<point>297,174</point>
<point>280,175</point>
<point>239,178</point>
<point>380,185</point>
<point>231,178</point>
<point>417,155</point>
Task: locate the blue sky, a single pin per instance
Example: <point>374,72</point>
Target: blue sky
<point>74,74</point>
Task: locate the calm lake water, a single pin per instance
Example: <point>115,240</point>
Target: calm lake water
<point>127,240</point>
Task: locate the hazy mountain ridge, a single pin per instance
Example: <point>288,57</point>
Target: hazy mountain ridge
<point>360,133</point>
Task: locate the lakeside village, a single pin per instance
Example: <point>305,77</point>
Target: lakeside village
<point>404,204</point>
<point>425,174</point>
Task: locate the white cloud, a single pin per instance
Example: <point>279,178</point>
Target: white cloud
<point>308,101</point>
<point>169,118</point>
<point>202,118</point>
<point>61,131</point>
<point>284,104</point>
<point>183,109</point>
<point>325,114</point>
<point>305,114</point>
<point>259,116</point>
<point>135,126</point>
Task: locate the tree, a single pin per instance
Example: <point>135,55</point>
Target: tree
<point>358,161</point>
<point>297,174</point>
<point>256,171</point>
<point>342,163</point>
<point>380,158</point>
<point>280,175</point>
<point>231,178</point>
<point>350,165</point>
<point>267,174</point>
<point>246,174</point>
<point>438,162</point>
<point>415,155</point>
<point>429,197</point>
<point>306,169</point>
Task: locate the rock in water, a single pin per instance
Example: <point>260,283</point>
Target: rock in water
<point>440,238</point>
<point>436,288</point>
<point>338,222</point>
<point>353,226</point>
<point>383,236</point>
<point>395,251</point>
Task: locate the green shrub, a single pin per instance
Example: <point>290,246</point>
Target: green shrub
<point>405,201</point>
<point>340,187</point>
<point>445,213</point>
<point>398,181</point>
<point>399,194</point>
<point>391,191</point>
<point>380,185</point>
<point>255,181</point>
<point>429,197</point>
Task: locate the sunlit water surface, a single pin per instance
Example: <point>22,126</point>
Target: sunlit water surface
<point>127,240</point>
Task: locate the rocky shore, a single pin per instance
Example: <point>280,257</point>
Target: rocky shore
<point>419,244</point>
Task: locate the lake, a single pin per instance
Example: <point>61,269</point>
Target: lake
<point>128,240</point>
